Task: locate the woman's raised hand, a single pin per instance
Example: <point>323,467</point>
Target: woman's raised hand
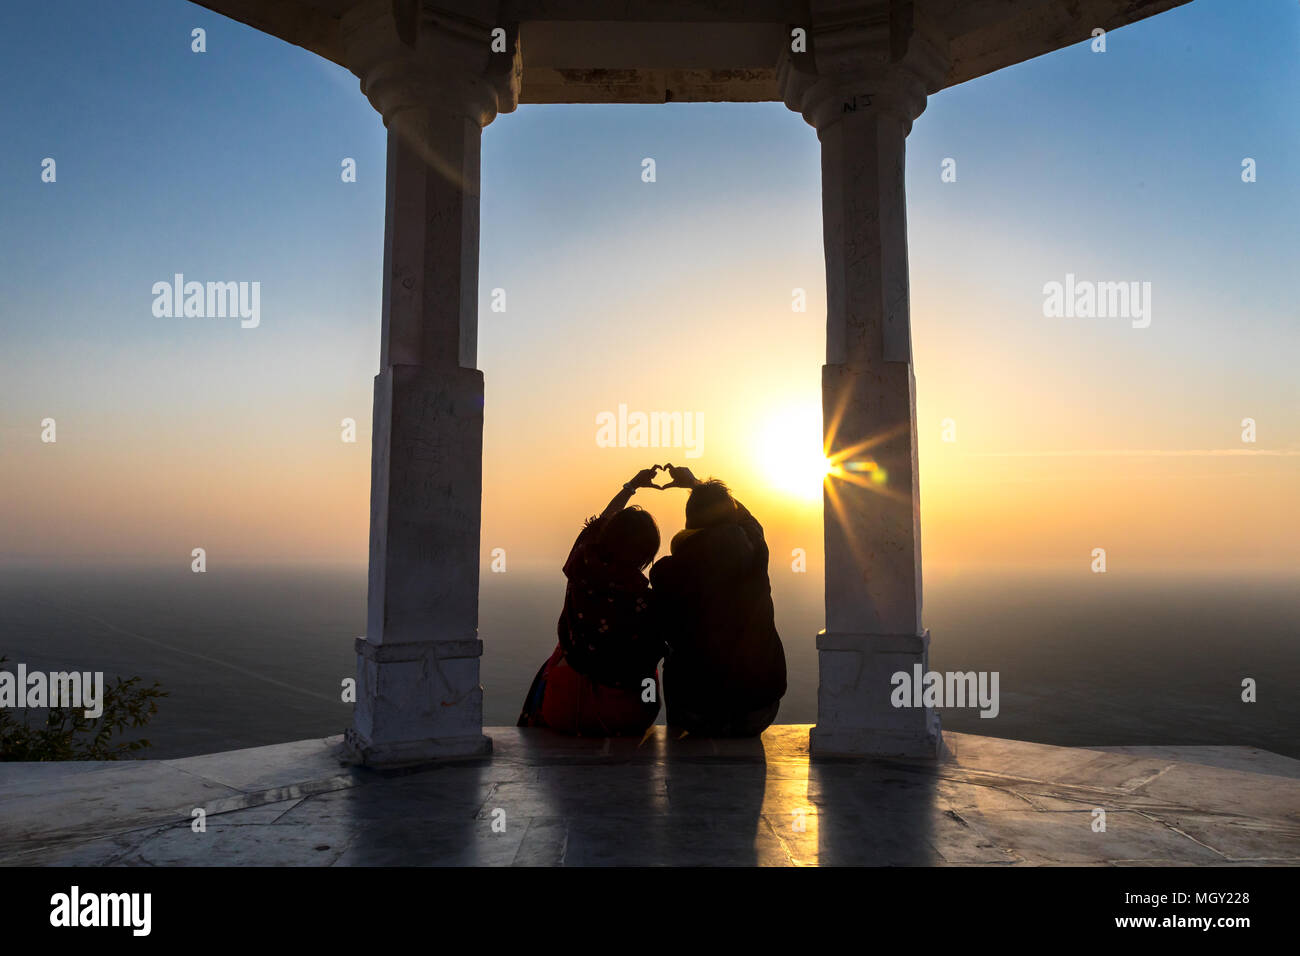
<point>644,478</point>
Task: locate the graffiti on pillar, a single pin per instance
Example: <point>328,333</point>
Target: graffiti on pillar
<point>858,99</point>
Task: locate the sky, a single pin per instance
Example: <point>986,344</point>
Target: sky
<point>1069,433</point>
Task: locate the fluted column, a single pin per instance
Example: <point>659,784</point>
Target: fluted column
<point>436,83</point>
<point>863,80</point>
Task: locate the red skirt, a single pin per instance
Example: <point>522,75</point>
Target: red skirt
<point>573,703</point>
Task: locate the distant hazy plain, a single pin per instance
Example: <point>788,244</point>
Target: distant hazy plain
<point>257,655</point>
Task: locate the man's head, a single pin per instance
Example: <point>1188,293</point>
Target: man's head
<point>710,504</point>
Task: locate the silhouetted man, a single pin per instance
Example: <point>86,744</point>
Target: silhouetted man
<point>724,674</point>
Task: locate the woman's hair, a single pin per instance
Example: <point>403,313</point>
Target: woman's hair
<point>630,538</point>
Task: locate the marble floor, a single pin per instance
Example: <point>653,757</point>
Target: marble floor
<point>547,800</point>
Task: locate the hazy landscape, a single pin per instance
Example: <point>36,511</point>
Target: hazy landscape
<point>257,655</point>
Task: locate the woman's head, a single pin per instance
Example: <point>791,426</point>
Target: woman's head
<point>631,538</point>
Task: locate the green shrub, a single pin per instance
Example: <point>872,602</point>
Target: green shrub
<point>68,734</point>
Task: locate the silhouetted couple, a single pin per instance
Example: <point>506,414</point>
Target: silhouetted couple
<point>706,609</point>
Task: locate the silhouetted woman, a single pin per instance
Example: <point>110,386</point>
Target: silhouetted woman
<point>602,680</point>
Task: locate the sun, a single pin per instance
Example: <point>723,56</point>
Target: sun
<point>789,451</point>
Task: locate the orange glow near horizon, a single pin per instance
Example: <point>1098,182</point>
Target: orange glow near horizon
<point>147,467</point>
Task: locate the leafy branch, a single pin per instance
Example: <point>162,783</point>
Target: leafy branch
<point>68,734</point>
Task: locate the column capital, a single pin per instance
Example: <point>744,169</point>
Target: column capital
<point>412,57</point>
<point>864,57</point>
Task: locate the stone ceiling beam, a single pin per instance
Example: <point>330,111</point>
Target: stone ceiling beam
<point>649,51</point>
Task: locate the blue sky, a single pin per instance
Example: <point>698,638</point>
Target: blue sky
<point>225,165</point>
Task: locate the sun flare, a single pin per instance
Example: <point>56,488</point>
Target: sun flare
<point>789,451</point>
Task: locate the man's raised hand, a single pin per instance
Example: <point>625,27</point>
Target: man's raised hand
<point>681,477</point>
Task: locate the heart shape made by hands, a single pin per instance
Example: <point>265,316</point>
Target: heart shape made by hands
<point>672,484</point>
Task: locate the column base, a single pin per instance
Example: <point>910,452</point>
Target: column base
<point>855,715</point>
<point>408,752</point>
<point>417,702</point>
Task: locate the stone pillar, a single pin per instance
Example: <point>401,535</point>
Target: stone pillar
<point>436,85</point>
<point>862,82</point>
